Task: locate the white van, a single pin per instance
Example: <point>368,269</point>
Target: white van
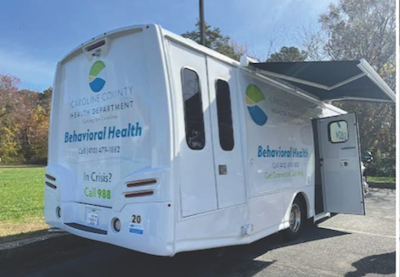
<point>161,145</point>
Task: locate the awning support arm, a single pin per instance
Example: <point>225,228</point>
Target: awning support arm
<point>292,79</point>
<point>308,83</point>
<point>348,81</point>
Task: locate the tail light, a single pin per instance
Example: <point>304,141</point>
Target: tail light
<point>51,185</point>
<point>139,193</point>
<point>49,180</point>
<point>141,183</point>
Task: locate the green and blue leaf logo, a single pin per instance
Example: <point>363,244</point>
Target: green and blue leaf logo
<point>97,76</point>
<point>256,103</point>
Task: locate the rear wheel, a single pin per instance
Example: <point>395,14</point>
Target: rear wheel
<point>297,220</point>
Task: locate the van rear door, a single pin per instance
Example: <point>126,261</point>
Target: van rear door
<point>340,165</point>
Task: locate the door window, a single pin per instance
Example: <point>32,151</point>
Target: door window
<point>338,131</point>
<point>224,110</point>
<point>194,121</point>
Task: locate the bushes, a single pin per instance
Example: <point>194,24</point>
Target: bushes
<point>382,166</point>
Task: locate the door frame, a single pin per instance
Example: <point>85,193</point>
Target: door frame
<point>318,185</point>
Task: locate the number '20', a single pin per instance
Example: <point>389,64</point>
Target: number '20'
<point>136,219</point>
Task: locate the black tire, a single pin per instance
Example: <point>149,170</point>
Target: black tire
<point>298,222</point>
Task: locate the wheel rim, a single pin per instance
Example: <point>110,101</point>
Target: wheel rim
<point>295,218</point>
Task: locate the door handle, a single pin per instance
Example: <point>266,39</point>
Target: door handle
<point>222,169</point>
<point>344,163</point>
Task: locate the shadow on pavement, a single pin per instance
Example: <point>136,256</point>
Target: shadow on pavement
<point>21,236</point>
<point>379,264</point>
<point>241,260</point>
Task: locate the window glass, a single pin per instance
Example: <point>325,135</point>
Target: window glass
<point>338,131</point>
<point>194,121</point>
<point>224,115</point>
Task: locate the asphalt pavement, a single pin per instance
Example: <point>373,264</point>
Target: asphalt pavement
<point>344,245</point>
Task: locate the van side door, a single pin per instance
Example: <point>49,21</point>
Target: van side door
<point>340,164</point>
<point>226,134</point>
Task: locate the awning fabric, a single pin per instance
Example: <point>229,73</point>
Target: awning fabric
<point>331,80</point>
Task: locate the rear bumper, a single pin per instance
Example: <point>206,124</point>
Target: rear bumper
<point>153,234</point>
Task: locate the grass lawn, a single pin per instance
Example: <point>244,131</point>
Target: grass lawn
<point>21,202</point>
<point>382,179</point>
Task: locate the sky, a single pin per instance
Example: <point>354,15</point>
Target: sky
<point>35,35</point>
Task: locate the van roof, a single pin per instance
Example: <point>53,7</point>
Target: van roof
<point>77,50</point>
<point>195,46</point>
<point>187,42</point>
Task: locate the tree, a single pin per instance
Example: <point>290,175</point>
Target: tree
<point>288,54</point>
<point>24,120</point>
<point>8,94</point>
<point>366,29</point>
<point>352,30</point>
<point>217,41</point>
<point>361,29</point>
<point>38,135</point>
<point>312,40</point>
<point>9,100</point>
<point>40,130</point>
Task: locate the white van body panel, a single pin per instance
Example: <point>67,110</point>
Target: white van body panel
<point>190,202</point>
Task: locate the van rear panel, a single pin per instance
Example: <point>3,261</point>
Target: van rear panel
<point>109,126</point>
<point>104,119</point>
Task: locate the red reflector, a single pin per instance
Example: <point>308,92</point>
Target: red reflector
<point>50,177</point>
<point>51,185</point>
<point>141,183</point>
<point>140,193</point>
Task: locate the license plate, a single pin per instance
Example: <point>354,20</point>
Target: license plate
<point>92,218</point>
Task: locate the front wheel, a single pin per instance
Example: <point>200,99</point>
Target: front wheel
<point>297,220</point>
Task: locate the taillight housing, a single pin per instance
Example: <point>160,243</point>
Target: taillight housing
<point>49,181</point>
<point>51,178</point>
<point>139,193</point>
<point>51,185</point>
<point>141,183</point>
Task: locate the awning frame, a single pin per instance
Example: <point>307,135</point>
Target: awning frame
<point>363,65</point>
<point>371,73</point>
